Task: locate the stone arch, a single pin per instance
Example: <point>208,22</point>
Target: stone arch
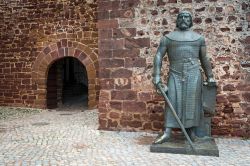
<point>61,49</point>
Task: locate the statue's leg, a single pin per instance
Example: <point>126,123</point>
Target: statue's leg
<point>163,137</point>
<point>191,133</point>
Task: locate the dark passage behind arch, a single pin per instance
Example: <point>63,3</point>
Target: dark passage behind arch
<point>67,83</point>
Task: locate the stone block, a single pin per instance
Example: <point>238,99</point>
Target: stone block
<point>116,105</point>
<point>102,124</point>
<point>105,33</point>
<point>82,57</point>
<point>234,98</point>
<point>134,106</point>
<point>221,99</point>
<point>108,5</point>
<point>103,15</point>
<point>121,73</point>
<point>157,125</point>
<point>125,53</point>
<point>128,13</point>
<point>147,126</point>
<point>124,32</point>
<point>111,44</point>
<point>111,63</point>
<point>46,50</point>
<point>186,1</point>
<point>129,4</point>
<point>64,42</point>
<point>137,43</point>
<point>172,1</point>
<point>134,124</point>
<point>106,24</point>
<point>126,117</point>
<point>246,96</point>
<point>107,84</point>
<point>160,3</point>
<point>104,73</point>
<point>114,115</point>
<point>122,83</point>
<point>156,117</point>
<point>61,52</point>
<point>145,96</point>
<point>123,95</point>
<point>112,123</point>
<point>135,62</point>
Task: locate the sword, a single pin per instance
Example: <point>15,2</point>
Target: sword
<point>159,86</point>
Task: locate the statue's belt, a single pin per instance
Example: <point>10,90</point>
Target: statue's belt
<point>183,73</point>
<point>185,60</point>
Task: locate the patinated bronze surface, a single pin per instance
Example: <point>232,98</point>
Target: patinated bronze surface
<point>178,145</point>
<point>186,51</point>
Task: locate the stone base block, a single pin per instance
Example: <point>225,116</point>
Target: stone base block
<point>179,145</point>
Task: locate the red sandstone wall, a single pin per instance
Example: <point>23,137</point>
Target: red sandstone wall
<point>42,32</point>
<point>130,31</point>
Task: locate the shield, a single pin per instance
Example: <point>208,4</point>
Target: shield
<point>209,98</point>
<point>209,101</point>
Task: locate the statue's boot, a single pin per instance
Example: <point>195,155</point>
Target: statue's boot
<point>164,137</point>
<point>195,138</point>
<point>191,134</point>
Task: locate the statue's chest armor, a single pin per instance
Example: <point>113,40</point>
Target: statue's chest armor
<point>180,50</point>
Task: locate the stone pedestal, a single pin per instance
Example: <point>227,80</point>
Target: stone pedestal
<point>179,145</point>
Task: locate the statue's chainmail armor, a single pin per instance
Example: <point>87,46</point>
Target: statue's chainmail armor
<point>184,82</point>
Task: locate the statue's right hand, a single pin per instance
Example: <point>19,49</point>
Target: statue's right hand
<point>156,80</point>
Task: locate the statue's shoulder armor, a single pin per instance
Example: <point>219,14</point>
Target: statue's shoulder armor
<point>184,36</point>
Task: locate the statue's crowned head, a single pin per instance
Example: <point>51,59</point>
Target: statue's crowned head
<point>184,20</point>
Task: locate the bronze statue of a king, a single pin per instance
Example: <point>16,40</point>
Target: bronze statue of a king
<point>186,51</point>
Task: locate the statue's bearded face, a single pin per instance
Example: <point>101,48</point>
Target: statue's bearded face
<point>184,21</point>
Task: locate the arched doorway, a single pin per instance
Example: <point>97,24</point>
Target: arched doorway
<point>67,83</point>
<point>54,53</point>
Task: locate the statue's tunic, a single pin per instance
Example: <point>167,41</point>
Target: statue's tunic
<point>185,78</point>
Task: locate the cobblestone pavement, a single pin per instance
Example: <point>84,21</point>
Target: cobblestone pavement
<point>71,138</point>
<point>13,113</point>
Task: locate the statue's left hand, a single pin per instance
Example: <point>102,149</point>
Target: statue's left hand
<point>211,81</point>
